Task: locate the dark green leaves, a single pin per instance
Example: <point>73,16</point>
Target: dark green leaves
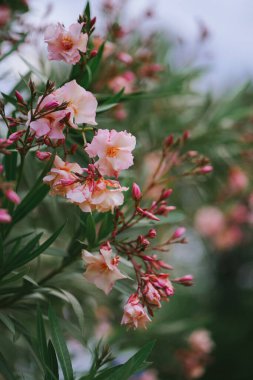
<point>134,364</point>
<point>60,346</point>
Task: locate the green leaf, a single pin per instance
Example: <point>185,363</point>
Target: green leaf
<point>5,369</point>
<point>87,10</point>
<point>77,309</point>
<point>52,362</point>
<point>134,364</point>
<point>60,346</point>
<point>106,226</point>
<point>8,323</point>
<point>34,196</point>
<point>110,102</point>
<point>91,231</point>
<point>42,340</point>
<point>10,166</point>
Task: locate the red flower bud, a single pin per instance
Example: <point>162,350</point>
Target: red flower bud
<point>186,280</point>
<point>19,97</point>
<point>152,233</point>
<point>178,233</point>
<point>43,155</point>
<point>93,53</point>
<point>136,192</point>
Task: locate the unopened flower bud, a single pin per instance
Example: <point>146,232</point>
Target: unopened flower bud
<point>151,233</point>
<point>205,169</point>
<point>143,241</point>
<point>4,216</point>
<point>43,155</point>
<point>1,168</point>
<point>147,214</point>
<point>166,193</point>
<point>93,53</point>
<point>186,280</point>
<point>16,136</point>
<point>50,105</point>
<point>12,196</point>
<point>93,21</point>
<point>168,141</point>
<point>19,97</point>
<point>178,233</point>
<point>186,135</point>
<point>136,192</point>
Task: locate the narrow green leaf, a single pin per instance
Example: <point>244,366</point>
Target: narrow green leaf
<point>10,166</point>
<point>77,309</point>
<point>41,336</point>
<point>60,346</point>
<point>132,365</point>
<point>8,323</point>
<point>5,369</point>
<point>52,362</point>
<point>106,226</point>
<point>91,231</point>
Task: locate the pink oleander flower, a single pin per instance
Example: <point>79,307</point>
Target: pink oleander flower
<point>4,216</point>
<point>109,47</point>
<point>66,45</point>
<point>238,180</point>
<point>12,196</point>
<point>81,195</point>
<point>102,270</point>
<point>134,314</point>
<point>101,195</point>
<point>151,295</point>
<point>82,104</point>
<point>209,221</point>
<point>107,195</point>
<point>114,150</point>
<point>62,176</point>
<point>201,341</point>
<point>124,81</point>
<point>51,124</point>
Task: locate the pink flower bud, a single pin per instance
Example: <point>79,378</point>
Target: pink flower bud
<point>136,192</point>
<point>93,53</point>
<point>129,76</point>
<point>4,216</point>
<point>152,233</point>
<point>93,21</point>
<point>50,105</point>
<point>1,168</point>
<point>125,58</point>
<point>186,280</point>
<point>143,241</point>
<point>19,97</point>
<point>205,169</point>
<point>169,140</point>
<point>16,136</point>
<point>166,193</point>
<point>186,135</point>
<point>164,265</point>
<point>43,155</point>
<point>12,196</point>
<point>178,233</point>
<point>147,214</point>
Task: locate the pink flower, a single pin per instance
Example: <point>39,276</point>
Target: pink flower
<point>12,196</point>
<point>4,216</point>
<point>124,81</point>
<point>114,150</point>
<point>101,195</point>
<point>102,270</point>
<point>107,195</point>
<point>43,155</point>
<point>62,171</point>
<point>151,295</point>
<point>200,340</point>
<point>134,314</point>
<point>209,221</point>
<point>82,104</point>
<point>109,47</point>
<point>51,124</point>
<point>238,180</point>
<point>66,45</point>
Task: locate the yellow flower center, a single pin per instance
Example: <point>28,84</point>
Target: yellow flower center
<point>67,43</point>
<point>112,151</point>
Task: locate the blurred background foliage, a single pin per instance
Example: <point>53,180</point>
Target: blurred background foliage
<point>221,300</point>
